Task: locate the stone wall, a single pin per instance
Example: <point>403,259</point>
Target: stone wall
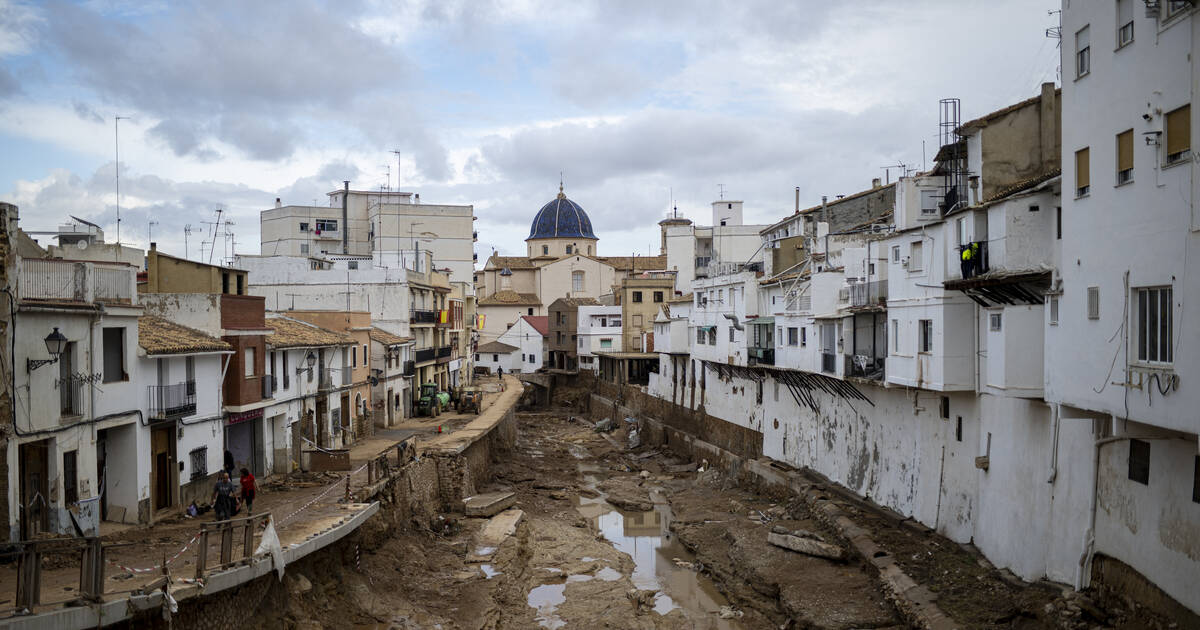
<point>8,221</point>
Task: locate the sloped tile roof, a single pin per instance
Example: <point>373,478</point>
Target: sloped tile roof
<point>540,323</point>
<point>292,333</point>
<point>496,347</point>
<point>159,336</point>
<point>508,297</point>
<point>574,302</point>
<point>1024,185</point>
<point>510,262</point>
<point>636,263</point>
<point>386,338</point>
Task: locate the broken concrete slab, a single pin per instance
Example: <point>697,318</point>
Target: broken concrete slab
<point>494,533</point>
<point>489,504</point>
<point>680,468</point>
<point>807,546</point>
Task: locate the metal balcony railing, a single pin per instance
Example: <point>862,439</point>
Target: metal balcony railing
<point>423,317</point>
<point>168,402</point>
<point>426,354</point>
<point>70,395</point>
<point>829,363</point>
<point>443,352</point>
<point>868,293</point>
<point>410,368</point>
<point>762,356</point>
<point>866,367</point>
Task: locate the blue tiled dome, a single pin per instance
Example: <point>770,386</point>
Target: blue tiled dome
<point>561,218</point>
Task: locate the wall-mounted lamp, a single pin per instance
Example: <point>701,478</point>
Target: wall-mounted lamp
<point>55,344</point>
<point>309,361</point>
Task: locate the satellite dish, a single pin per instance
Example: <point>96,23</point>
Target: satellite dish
<point>81,245</point>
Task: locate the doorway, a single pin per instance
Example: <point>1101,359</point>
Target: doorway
<point>35,475</point>
<point>345,420</point>
<point>163,472</point>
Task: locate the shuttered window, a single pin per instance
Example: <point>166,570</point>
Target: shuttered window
<point>1093,302</point>
<point>1125,157</point>
<point>1082,173</point>
<point>1179,134</point>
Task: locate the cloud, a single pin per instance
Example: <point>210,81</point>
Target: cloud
<point>85,112</point>
<point>8,83</point>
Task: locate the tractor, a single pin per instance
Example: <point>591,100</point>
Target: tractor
<point>470,399</point>
<point>432,402</point>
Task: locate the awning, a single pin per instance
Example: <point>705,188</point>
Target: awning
<point>707,328</point>
<point>766,321</point>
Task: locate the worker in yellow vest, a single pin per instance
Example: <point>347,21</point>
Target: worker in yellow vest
<point>967,261</point>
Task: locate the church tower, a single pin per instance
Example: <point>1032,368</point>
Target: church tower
<point>561,228</point>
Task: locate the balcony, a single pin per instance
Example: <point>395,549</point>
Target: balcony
<point>423,317</point>
<point>410,368</point>
<point>863,294</point>
<point>169,402</point>
<point>979,262</point>
<point>762,356</point>
<point>70,394</point>
<point>864,366</point>
<point>345,375</point>
<point>426,354</point>
<point>443,318</point>
<point>327,235</point>
<point>46,279</point>
<point>326,379</point>
<point>444,352</point>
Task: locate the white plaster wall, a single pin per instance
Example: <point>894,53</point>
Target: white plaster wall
<point>201,311</point>
<point>528,341</point>
<point>681,255</point>
<point>1020,239</point>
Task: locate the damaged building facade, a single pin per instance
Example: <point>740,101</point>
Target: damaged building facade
<point>997,349</point>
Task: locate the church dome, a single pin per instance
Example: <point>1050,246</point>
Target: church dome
<point>561,218</point>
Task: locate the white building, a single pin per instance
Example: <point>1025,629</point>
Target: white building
<point>393,368</point>
<point>698,251</point>
<point>519,349</point>
<point>1118,328</point>
<point>391,226</point>
<point>599,330</point>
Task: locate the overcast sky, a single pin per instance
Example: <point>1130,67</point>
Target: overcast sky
<point>233,104</point>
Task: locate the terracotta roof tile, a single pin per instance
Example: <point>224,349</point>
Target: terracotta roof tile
<point>636,263</point>
<point>508,297</point>
<point>159,336</point>
<point>292,333</point>
<point>386,338</point>
<point>575,301</point>
<point>540,323</point>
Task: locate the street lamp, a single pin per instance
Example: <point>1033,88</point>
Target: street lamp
<point>310,360</point>
<point>56,342</point>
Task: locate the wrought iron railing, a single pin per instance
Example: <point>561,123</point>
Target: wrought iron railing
<point>443,352</point>
<point>868,293</point>
<point>172,401</point>
<point>426,354</point>
<point>867,367</point>
<point>70,394</point>
<point>423,317</point>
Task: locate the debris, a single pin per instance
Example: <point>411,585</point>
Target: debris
<point>645,474</point>
<point>729,612</point>
<point>630,420</point>
<point>807,546</point>
<point>605,426</point>
<point>635,440</point>
<point>680,468</point>
<point>799,533</point>
<point>703,465</point>
<point>489,504</point>
<point>643,600</point>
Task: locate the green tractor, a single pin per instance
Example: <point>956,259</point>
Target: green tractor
<point>432,402</point>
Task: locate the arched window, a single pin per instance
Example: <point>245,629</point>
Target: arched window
<point>545,249</point>
<point>577,281</point>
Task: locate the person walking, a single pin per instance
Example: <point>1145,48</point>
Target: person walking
<point>222,499</point>
<point>249,489</point>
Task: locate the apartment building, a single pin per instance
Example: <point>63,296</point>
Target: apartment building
<point>599,330</point>
<point>564,331</point>
<point>698,251</point>
<point>640,297</point>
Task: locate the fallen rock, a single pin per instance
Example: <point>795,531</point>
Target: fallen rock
<point>799,533</point>
<point>629,504</point>
<point>489,504</point>
<point>729,612</point>
<point>645,474</point>
<point>806,546</point>
<point>607,425</point>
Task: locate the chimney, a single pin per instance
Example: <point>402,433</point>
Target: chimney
<point>277,203</point>
<point>797,200</point>
<point>345,217</point>
<point>875,183</point>
<point>417,197</point>
<point>153,246</point>
<point>824,210</point>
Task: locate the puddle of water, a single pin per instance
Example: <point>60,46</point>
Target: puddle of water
<point>608,574</point>
<point>489,571</point>
<point>485,551</point>
<point>646,537</point>
<point>545,599</point>
<point>579,577</point>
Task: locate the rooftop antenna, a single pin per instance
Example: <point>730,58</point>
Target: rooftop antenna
<point>721,189</point>
<point>887,171</point>
<point>230,243</point>
<point>150,231</point>
<point>212,234</point>
<point>187,229</point>
<point>117,167</point>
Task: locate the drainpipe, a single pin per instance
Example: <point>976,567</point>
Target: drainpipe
<point>1056,419</point>
<point>345,217</point>
<point>733,318</point>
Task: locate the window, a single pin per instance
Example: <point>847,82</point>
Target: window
<point>895,335</point>
<point>994,321</point>
<point>606,344</point>
<point>531,358</point>
<point>758,392</point>
<point>803,336</point>
<point>1139,461</point>
<point>364,355</point>
<point>477,358</point>
<point>637,321</point>
<point>495,357</point>
<point>731,331</point>
<point>1082,174</point>
<point>712,336</point>
<point>353,357</point>
<point>241,284</point>
<point>303,226</point>
<point>1125,157</point>
<point>303,248</point>
<point>1083,52</point>
<point>958,429</point>
<point>793,336</point>
<point>225,282</point>
<point>1124,22</point>
<point>113,340</point>
<point>1054,310</point>
<point>1196,481</point>
<point>189,368</point>
<point>530,311</point>
<point>925,342</point>
<point>963,237</point>
<point>568,249</point>
<point>1035,208</point>
<point>353,264</point>
<point>199,461</point>
<point>545,250</point>
<point>658,297</point>
<point>577,281</point>
<point>1179,134</point>
<point>1154,325</point>
<point>1058,223</point>
<point>70,477</point>
<point>249,359</point>
<point>637,296</point>
<point>929,201</point>
<point>945,407</point>
<point>895,253</point>
<point>915,254</point>
<point>700,336</point>
<point>1093,302</point>
<point>637,342</point>
<point>326,225</point>
<point>1175,7</point>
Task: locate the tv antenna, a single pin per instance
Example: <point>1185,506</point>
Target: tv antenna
<point>721,190</point>
<point>212,233</point>
<point>117,167</point>
<point>150,231</point>
<point>887,171</point>
<point>187,229</point>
